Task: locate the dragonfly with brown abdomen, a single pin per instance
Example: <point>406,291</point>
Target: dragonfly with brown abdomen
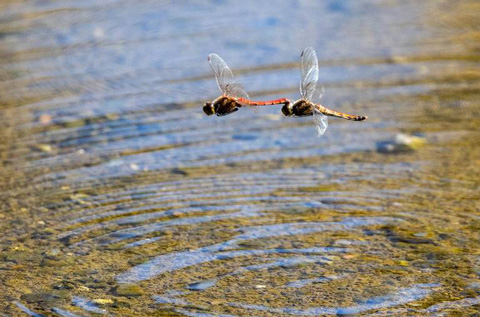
<point>305,106</point>
<point>233,95</point>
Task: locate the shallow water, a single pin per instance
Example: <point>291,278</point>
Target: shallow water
<point>119,197</point>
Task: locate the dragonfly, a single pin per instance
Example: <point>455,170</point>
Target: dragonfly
<point>305,106</point>
<point>233,95</point>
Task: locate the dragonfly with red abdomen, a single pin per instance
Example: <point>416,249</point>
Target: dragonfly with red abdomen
<point>233,95</point>
<point>305,106</point>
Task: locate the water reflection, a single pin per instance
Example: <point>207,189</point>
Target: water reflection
<point>401,297</point>
<point>220,252</point>
<point>87,305</point>
<point>119,197</point>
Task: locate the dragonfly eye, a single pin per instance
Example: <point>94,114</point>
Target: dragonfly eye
<point>287,109</point>
<point>208,109</point>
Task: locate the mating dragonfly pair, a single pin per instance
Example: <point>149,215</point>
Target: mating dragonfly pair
<point>234,96</point>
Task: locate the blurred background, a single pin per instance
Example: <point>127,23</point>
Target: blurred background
<point>119,197</point>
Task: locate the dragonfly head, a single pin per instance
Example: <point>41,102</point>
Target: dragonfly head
<point>287,109</point>
<point>209,109</point>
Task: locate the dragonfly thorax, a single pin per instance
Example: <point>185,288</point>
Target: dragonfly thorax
<point>222,106</point>
<point>301,108</point>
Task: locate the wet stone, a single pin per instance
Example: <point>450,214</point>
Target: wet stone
<point>178,171</point>
<point>200,286</point>
<point>102,301</point>
<point>137,260</point>
<point>43,147</point>
<point>56,261</point>
<point>52,254</point>
<point>64,285</point>
<point>129,290</point>
<point>45,119</point>
<point>420,234</point>
<point>40,298</point>
<point>19,256</point>
<point>411,240</point>
<point>401,143</point>
<point>16,256</point>
<point>99,285</point>
<point>120,304</point>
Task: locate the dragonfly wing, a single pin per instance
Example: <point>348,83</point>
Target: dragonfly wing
<point>237,91</point>
<point>223,73</point>
<point>322,92</point>
<point>321,122</point>
<point>309,69</point>
<point>225,79</point>
<point>317,97</point>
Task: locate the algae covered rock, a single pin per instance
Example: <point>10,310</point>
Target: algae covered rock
<point>128,290</point>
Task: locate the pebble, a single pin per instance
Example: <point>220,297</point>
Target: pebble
<point>53,253</point>
<point>43,147</point>
<point>45,119</point>
<point>420,234</point>
<point>401,143</point>
<point>36,298</point>
<point>129,290</point>
<point>103,301</point>
<point>200,286</point>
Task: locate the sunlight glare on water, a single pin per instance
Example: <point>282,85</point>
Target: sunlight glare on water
<point>119,197</point>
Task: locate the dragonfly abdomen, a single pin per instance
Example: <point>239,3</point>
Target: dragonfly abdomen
<point>333,113</point>
<point>281,101</point>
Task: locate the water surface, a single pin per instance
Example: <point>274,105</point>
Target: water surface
<point>119,197</point>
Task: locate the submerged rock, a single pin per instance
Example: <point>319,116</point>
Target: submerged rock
<point>45,119</point>
<point>129,290</point>
<point>200,286</point>
<point>43,147</point>
<point>401,143</point>
<point>45,298</point>
<point>102,301</point>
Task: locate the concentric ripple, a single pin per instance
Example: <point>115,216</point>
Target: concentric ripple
<point>119,197</point>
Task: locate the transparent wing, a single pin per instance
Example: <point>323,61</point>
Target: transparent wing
<point>322,92</point>
<point>316,98</point>
<point>321,122</point>
<point>225,79</point>
<point>237,91</point>
<point>309,68</point>
<point>223,73</point>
